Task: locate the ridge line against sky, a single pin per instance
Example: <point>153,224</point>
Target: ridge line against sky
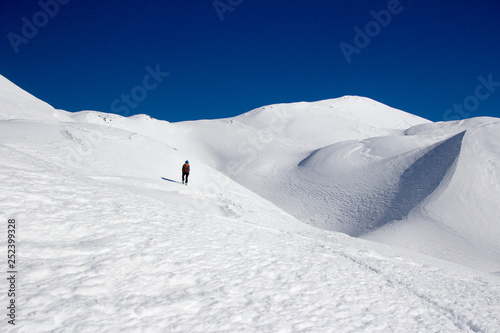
<point>188,60</point>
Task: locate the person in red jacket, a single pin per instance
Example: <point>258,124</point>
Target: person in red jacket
<point>185,172</point>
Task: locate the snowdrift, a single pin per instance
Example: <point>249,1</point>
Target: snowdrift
<point>396,184</point>
<point>462,212</point>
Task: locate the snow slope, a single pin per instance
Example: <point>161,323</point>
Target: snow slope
<point>108,241</point>
<point>15,103</point>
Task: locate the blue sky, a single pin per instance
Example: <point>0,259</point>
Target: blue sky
<point>436,59</point>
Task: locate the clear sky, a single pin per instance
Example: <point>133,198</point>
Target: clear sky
<point>436,59</point>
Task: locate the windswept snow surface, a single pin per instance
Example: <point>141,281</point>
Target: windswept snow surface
<point>105,243</point>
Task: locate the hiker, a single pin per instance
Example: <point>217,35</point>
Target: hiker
<point>185,172</point>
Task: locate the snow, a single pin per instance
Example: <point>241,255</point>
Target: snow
<point>16,103</point>
<point>261,239</point>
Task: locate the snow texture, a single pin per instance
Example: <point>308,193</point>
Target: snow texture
<point>262,238</point>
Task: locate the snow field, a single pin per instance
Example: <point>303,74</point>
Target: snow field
<point>105,244</point>
<point>100,256</point>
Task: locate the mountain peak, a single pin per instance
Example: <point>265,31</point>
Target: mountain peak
<point>17,104</point>
<point>332,120</point>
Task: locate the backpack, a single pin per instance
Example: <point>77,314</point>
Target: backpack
<point>185,168</point>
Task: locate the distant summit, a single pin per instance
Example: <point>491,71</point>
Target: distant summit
<point>329,121</point>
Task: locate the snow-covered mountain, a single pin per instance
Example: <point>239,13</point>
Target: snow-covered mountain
<point>359,167</point>
<point>261,239</point>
